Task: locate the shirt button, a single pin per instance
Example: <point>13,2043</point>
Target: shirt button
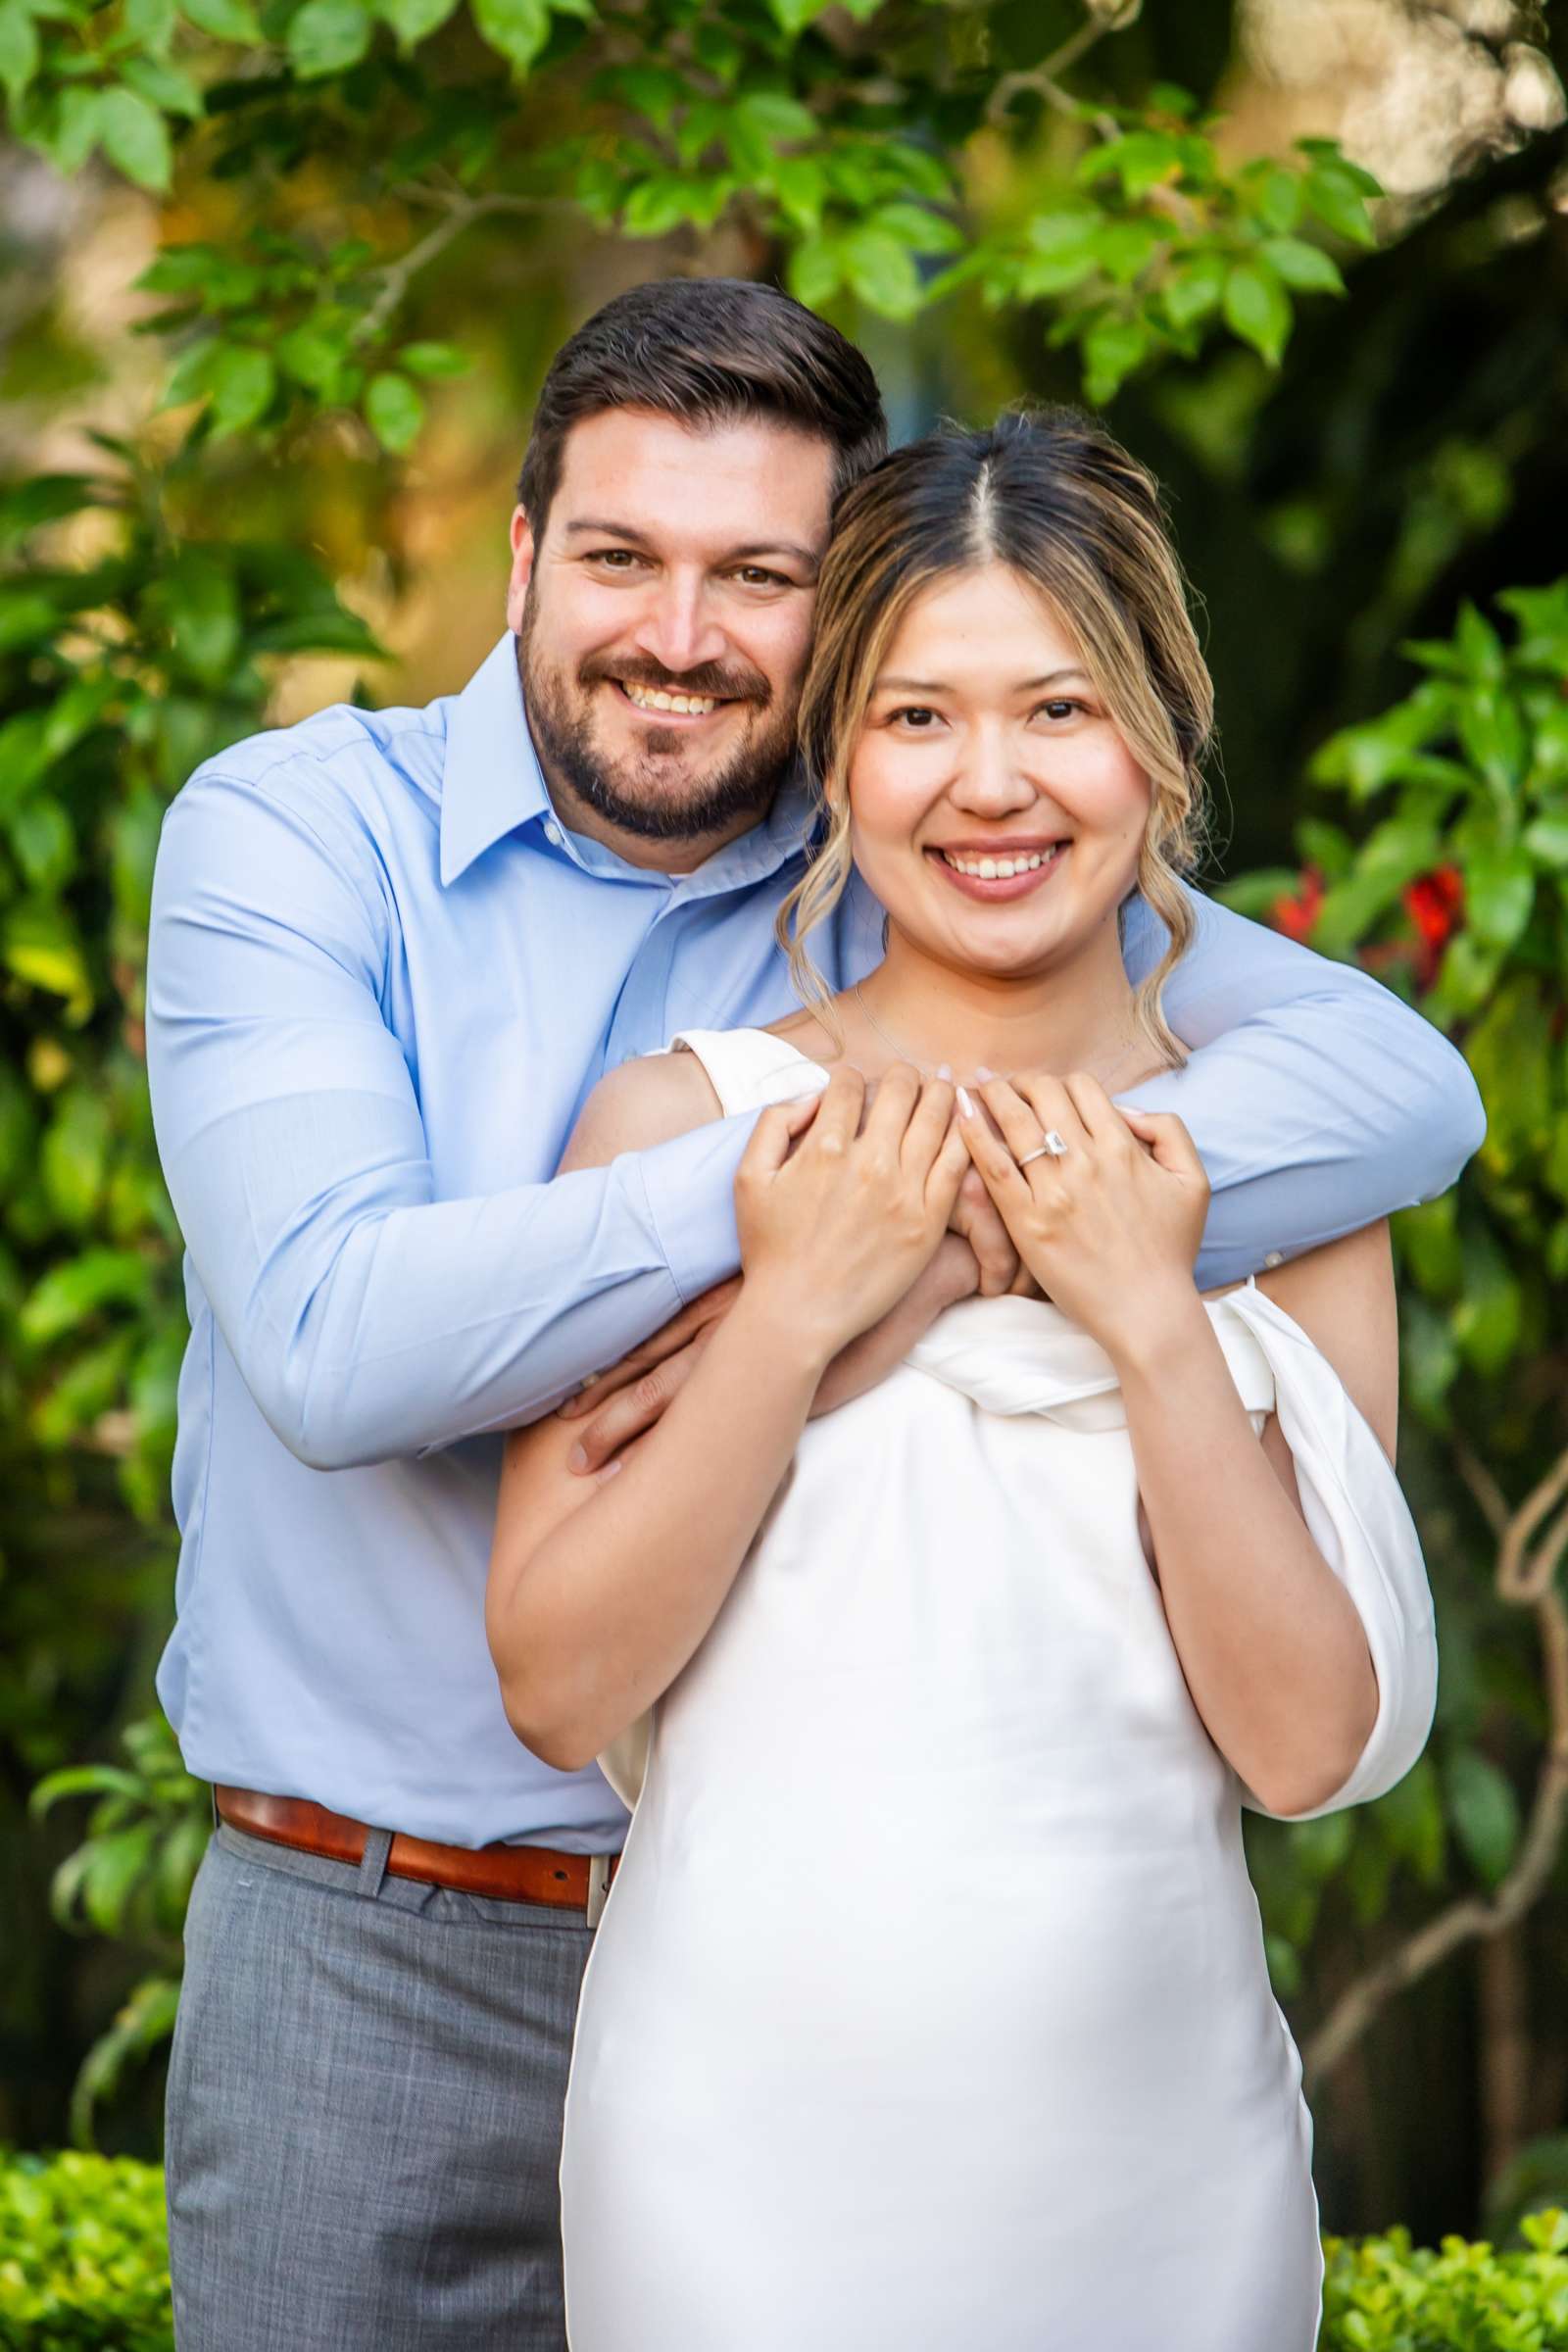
<point>1274,1258</point>
<point>553,832</point>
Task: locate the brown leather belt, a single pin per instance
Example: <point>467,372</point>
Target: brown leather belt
<point>509,1874</point>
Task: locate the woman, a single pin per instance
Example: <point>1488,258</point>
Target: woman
<point>1040,1600</point>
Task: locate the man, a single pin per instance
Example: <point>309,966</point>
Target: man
<point>390,955</point>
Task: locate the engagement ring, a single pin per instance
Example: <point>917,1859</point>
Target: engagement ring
<point>1053,1147</point>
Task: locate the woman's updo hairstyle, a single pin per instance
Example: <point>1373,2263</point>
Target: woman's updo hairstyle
<point>1055,499</point>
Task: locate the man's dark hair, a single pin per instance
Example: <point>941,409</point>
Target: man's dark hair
<point>706,351</point>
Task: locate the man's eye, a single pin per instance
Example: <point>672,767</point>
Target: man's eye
<point>756,576</point>
<point>615,558</point>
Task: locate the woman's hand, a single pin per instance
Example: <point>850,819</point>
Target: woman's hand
<point>834,1232</point>
<point>1111,1227</point>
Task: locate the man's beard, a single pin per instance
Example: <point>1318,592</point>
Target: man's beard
<point>643,795</point>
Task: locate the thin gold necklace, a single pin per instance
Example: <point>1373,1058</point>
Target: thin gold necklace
<point>942,1070</point>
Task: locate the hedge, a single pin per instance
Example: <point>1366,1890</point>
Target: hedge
<point>84,2263</point>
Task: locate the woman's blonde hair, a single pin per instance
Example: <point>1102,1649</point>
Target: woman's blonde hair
<point>1054,498</point>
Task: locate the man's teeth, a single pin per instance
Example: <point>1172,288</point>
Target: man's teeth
<point>1002,869</point>
<point>654,698</point>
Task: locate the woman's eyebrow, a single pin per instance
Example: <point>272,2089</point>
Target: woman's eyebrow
<point>1055,678</point>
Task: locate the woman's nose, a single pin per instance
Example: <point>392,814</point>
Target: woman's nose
<point>992,780</point>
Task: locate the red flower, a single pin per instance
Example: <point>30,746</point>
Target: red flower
<point>1296,916</point>
<point>1434,903</point>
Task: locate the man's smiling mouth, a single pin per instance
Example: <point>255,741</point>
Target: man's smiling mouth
<point>659,698</point>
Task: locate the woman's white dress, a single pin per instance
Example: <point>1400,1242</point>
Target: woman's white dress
<point>929,2010</point>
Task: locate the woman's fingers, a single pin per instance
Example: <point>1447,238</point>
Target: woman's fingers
<point>1048,1105</point>
<point>948,1171</point>
<point>995,1159</point>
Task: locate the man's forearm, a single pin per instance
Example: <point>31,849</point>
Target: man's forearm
<point>372,1330</point>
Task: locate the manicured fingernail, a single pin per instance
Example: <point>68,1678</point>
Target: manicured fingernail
<point>610,1467</point>
<point>943,1071</point>
<point>965,1103</point>
<point>982,1072</point>
<point>577,1459</point>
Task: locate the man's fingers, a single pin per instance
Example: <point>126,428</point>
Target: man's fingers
<point>838,1110</point>
<point>634,1408</point>
<point>1169,1141</point>
<point>930,1126</point>
<point>666,1341</point>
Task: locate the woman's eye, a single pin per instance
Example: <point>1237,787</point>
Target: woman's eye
<point>1061,707</point>
<point>918,717</point>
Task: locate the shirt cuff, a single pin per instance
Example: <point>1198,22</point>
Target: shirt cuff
<point>689,1187</point>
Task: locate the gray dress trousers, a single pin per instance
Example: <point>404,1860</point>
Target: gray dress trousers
<point>365,2109</point>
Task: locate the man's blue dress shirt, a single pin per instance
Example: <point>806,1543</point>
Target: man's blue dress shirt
<point>383,980</point>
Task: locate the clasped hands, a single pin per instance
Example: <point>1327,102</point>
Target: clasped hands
<point>1098,1230</point>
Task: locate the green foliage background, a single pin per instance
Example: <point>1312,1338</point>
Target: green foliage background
<point>372,222</point>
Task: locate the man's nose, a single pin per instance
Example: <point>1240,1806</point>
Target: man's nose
<point>677,627</point>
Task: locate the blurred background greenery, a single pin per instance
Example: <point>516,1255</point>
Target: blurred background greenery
<point>278,284</point>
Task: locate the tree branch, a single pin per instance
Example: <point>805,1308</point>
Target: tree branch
<point>1043,78</point>
<point>460,213</point>
<point>1521,1578</point>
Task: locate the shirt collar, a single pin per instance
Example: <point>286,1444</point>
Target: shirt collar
<point>491,782</point>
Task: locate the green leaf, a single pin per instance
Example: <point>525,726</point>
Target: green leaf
<point>776,117</point>
<point>1306,268</point>
<point>1488,1319</point>
<point>924,231</point>
<point>394,411</point>
<point>151,22</point>
<point>19,48</point>
<point>44,844</point>
<point>1547,839</point>
<point>76,1291</point>
<point>164,86</point>
<point>1499,888</point>
<point>202,603</point>
<point>1194,288</point>
<point>802,190</point>
<point>413,21</point>
<point>40,945</point>
<point>311,357</point>
<point>1139,161</point>
<point>224,20</point>
<point>434,359</point>
<point>816,272</point>
<point>1485,1812</point>
<point>881,272</point>
<point>241,381</point>
<point>1333,193</point>
<point>1277,199</point>
<point>1411,1818</point>
<point>1112,349</point>
<point>134,138</point>
<point>657,204</point>
<point>518,29</point>
<point>1258,309</point>
<point>329,37</point>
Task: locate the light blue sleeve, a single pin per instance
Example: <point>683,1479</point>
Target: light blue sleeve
<point>1317,1100</point>
<point>366,1317</point>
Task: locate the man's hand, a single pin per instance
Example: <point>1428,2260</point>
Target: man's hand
<point>631,1396</point>
<point>977,1219</point>
<point>953,1273</point>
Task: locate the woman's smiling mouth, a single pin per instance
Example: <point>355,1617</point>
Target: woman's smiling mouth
<point>999,873</point>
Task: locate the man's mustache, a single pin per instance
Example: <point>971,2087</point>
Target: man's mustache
<point>725,685</point>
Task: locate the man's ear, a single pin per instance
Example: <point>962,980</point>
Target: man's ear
<point>522,552</point>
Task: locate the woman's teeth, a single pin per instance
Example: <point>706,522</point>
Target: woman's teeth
<point>652,698</point>
<point>1002,869</point>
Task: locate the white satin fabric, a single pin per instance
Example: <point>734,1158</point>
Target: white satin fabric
<point>929,2009</point>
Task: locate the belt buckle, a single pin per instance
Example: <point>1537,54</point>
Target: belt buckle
<point>597,1886</point>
